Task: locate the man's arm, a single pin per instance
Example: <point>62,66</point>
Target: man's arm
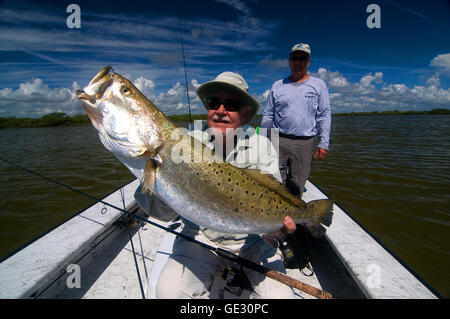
<point>267,119</point>
<point>323,120</point>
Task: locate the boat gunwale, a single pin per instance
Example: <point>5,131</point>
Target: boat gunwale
<point>389,251</point>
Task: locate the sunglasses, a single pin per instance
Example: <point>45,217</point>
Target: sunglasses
<point>298,58</point>
<point>231,105</point>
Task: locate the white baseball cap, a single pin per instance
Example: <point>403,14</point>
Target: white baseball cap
<point>234,83</point>
<point>301,47</point>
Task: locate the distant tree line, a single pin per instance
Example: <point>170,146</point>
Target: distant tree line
<point>395,112</point>
<point>52,119</point>
<point>62,119</point>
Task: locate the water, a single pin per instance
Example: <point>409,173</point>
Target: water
<point>390,173</point>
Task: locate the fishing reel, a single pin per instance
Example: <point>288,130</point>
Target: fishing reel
<point>236,281</point>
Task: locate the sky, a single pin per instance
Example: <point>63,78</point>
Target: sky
<point>402,65</point>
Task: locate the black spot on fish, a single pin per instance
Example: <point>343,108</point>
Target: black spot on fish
<point>236,210</point>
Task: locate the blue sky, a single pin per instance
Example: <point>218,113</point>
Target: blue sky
<point>403,65</point>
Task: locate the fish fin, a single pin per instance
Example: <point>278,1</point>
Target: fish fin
<point>273,184</point>
<point>322,209</point>
<point>148,180</point>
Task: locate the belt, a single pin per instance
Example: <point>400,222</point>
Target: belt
<point>295,137</point>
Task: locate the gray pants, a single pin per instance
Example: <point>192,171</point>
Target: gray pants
<point>295,159</point>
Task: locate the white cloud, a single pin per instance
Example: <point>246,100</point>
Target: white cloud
<point>366,80</point>
<point>364,95</point>
<point>274,63</point>
<point>434,80</point>
<point>442,62</point>
<point>35,98</point>
<point>237,4</point>
<point>333,79</point>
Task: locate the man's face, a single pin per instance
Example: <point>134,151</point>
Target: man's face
<point>222,116</point>
<point>299,62</point>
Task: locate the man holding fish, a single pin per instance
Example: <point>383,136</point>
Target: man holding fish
<point>224,203</point>
<point>191,269</point>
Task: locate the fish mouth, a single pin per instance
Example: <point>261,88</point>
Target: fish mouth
<point>94,92</point>
<point>98,85</point>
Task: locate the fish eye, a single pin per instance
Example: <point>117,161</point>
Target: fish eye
<point>125,90</point>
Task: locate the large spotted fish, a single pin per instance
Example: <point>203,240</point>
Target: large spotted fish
<point>210,193</point>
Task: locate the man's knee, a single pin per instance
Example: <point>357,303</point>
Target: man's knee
<point>178,282</point>
<point>168,285</point>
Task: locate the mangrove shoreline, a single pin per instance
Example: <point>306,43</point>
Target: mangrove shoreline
<point>62,119</point>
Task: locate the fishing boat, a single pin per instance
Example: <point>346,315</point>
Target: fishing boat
<point>104,252</point>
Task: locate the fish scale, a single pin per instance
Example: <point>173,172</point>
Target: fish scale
<point>209,193</point>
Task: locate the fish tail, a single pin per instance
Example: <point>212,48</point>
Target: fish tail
<point>322,210</point>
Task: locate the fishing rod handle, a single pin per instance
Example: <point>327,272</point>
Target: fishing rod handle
<point>291,282</point>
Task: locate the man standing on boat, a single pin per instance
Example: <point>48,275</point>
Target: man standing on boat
<point>299,106</point>
<point>191,269</point>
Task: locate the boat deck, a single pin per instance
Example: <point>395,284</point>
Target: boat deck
<point>347,262</point>
<point>111,272</point>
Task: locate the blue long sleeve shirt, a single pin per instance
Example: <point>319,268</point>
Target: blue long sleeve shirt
<point>301,109</point>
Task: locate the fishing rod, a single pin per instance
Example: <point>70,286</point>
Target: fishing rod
<point>291,282</point>
<point>184,62</point>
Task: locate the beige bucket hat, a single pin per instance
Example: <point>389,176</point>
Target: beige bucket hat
<point>234,83</point>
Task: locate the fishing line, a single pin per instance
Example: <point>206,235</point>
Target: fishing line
<point>219,251</point>
<point>131,239</point>
<point>184,61</point>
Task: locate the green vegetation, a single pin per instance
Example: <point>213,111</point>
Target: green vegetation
<point>52,119</point>
<point>62,119</point>
<point>185,117</point>
<point>395,112</point>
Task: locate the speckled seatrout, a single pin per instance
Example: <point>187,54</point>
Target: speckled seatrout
<point>211,193</point>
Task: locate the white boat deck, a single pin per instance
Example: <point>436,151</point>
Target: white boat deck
<point>348,262</point>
